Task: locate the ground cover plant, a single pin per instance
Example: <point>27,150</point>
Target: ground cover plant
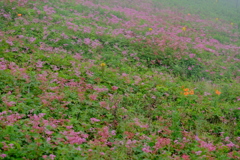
<point>102,79</point>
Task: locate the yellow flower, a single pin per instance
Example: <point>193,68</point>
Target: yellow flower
<point>232,23</point>
<point>184,28</point>
<point>103,64</point>
<point>150,29</point>
<point>218,92</point>
<point>216,19</point>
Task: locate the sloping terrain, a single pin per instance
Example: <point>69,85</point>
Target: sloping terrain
<point>103,79</point>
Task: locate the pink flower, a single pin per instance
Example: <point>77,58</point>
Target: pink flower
<point>100,89</point>
<point>48,139</point>
<point>44,156</point>
<point>94,120</point>
<point>102,153</point>
<point>227,139</point>
<point>3,155</point>
<point>104,105</point>
<point>79,149</point>
<point>198,152</point>
<point>87,41</point>
<point>69,127</point>
<point>49,132</point>
<point>146,149</point>
<point>75,139</point>
<point>206,93</point>
<point>185,157</point>
<point>78,56</point>
<point>162,142</point>
<point>230,145</point>
<point>93,97</point>
<point>209,146</point>
<point>124,74</point>
<point>104,133</point>
<point>10,104</point>
<point>192,55</point>
<point>52,156</point>
<point>130,143</point>
<point>114,88</point>
<point>113,132</point>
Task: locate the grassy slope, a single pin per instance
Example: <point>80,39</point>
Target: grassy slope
<point>225,10</point>
<point>52,83</point>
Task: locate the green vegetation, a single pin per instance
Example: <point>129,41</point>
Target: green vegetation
<point>101,79</point>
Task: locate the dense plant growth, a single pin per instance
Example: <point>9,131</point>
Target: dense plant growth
<point>102,79</point>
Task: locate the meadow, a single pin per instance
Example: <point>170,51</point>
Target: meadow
<point>108,79</point>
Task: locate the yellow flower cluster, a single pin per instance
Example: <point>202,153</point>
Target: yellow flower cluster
<point>103,64</point>
<point>184,28</point>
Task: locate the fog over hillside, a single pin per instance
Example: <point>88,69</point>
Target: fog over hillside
<point>111,79</point>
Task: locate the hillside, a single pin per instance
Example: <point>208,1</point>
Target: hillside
<point>102,79</point>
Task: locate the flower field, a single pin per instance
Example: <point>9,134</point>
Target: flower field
<point>104,79</point>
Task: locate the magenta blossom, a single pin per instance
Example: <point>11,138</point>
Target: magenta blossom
<point>44,156</point>
<point>114,88</point>
<point>198,152</point>
<point>3,155</point>
<point>94,120</point>
<point>192,55</point>
<point>52,156</point>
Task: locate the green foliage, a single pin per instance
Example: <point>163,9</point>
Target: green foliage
<point>189,68</point>
<point>50,95</point>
